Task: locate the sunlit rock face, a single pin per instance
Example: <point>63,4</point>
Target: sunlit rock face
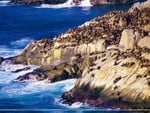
<point>110,55</point>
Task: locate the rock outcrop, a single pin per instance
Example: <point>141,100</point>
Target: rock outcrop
<point>74,2</point>
<point>38,2</point>
<point>96,2</point>
<point>1,59</point>
<point>110,55</point>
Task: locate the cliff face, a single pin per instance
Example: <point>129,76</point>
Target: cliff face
<point>110,54</point>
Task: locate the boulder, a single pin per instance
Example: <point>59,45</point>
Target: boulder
<point>147,27</point>
<point>144,42</point>
<point>1,59</point>
<point>127,40</point>
<point>31,77</point>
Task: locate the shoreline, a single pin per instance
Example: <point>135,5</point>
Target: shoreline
<point>109,55</point>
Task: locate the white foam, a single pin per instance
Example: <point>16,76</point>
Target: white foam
<point>9,52</point>
<point>64,5</point>
<point>15,50</point>
<point>4,3</point>
<point>69,3</point>
<point>54,89</point>
<point>22,42</point>
<point>6,74</point>
<point>76,105</point>
<point>85,3</point>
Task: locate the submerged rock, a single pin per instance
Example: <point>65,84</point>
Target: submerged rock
<point>110,60</point>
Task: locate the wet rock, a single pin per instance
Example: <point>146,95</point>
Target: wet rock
<point>1,59</point>
<point>33,76</point>
<point>38,2</point>
<point>22,69</point>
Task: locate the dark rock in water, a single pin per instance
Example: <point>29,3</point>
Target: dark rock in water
<point>38,2</point>
<point>33,76</point>
<point>23,69</point>
<point>1,59</point>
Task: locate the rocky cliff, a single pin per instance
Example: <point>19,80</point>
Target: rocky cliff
<point>74,2</point>
<point>110,55</point>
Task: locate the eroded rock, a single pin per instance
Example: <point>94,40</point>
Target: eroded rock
<point>127,39</point>
<point>110,59</point>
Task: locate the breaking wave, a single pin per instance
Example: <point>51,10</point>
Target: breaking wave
<point>69,3</point>
<point>5,3</point>
<point>15,47</point>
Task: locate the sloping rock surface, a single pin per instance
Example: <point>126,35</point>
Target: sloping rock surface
<point>110,54</point>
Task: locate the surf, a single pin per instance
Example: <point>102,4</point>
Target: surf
<point>5,3</point>
<point>68,4</point>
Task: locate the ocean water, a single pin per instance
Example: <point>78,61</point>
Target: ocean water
<point>20,25</point>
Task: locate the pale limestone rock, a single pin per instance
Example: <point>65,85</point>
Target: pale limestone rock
<point>144,42</point>
<point>146,56</point>
<point>140,6</point>
<point>127,39</point>
<point>57,45</point>
<point>147,27</point>
<point>131,88</point>
<point>122,22</point>
<point>91,48</point>
<point>83,49</point>
<point>100,45</point>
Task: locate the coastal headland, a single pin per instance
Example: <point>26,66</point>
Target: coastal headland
<point>109,55</point>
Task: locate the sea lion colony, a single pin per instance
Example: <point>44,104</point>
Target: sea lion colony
<point>110,56</point>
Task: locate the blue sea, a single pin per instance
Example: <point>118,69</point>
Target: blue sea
<point>22,24</point>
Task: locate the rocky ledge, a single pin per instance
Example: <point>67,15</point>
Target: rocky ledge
<point>110,56</point>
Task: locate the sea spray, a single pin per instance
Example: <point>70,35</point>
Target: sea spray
<point>54,89</point>
<point>85,3</point>
<point>69,3</point>
<point>4,3</point>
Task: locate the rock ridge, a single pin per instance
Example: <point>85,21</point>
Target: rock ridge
<point>110,56</point>
<point>74,2</point>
